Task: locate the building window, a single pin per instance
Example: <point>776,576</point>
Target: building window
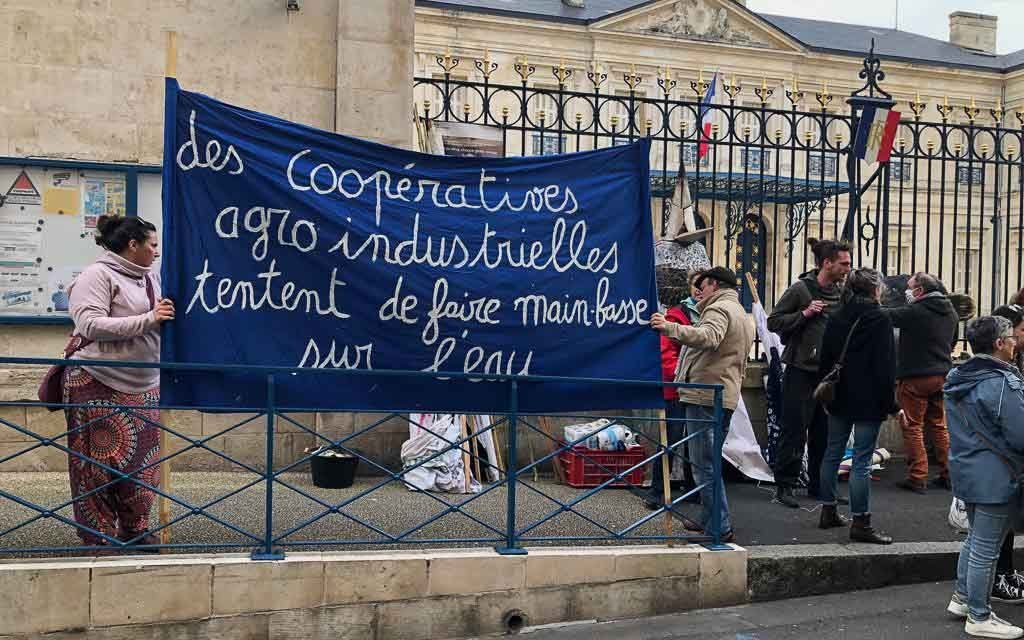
<point>814,165</point>
<point>967,254</point>
<point>899,256</point>
<point>755,159</point>
<point>690,156</point>
<point>901,170</point>
<point>547,145</point>
<point>969,175</point>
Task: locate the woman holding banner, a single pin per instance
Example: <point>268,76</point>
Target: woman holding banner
<point>117,310</point>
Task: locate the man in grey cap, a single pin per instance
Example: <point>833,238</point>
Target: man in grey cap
<point>719,346</point>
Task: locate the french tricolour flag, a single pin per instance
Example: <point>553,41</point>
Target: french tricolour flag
<point>875,134</point>
<point>705,121</point>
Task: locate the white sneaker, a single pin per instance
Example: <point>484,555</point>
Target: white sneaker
<point>957,606</point>
<point>994,627</point>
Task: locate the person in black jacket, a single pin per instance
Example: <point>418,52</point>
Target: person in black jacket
<point>799,318</point>
<point>863,398</point>
<point>928,332</point>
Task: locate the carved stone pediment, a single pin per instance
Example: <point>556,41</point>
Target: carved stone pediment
<point>707,20</point>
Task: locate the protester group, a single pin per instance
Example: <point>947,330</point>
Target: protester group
<point>847,371</point>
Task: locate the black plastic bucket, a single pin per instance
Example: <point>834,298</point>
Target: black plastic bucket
<point>333,472</point>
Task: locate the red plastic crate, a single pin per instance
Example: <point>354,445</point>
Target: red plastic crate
<point>582,472</point>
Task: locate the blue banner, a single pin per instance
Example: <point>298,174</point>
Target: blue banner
<point>289,246</point>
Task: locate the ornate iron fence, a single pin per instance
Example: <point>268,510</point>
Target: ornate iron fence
<point>271,504</point>
<point>771,167</point>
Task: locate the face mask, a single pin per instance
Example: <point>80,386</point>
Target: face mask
<point>910,295</point>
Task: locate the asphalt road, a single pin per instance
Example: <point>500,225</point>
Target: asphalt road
<point>896,613</point>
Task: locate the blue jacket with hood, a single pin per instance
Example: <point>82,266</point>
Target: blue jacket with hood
<point>984,400</point>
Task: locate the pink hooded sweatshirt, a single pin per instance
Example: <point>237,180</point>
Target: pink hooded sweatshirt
<point>109,305</point>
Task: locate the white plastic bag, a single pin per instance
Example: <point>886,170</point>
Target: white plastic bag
<point>958,516</point>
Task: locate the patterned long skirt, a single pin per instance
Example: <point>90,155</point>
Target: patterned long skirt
<point>111,434</point>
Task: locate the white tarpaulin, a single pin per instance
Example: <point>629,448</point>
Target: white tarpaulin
<point>741,449</point>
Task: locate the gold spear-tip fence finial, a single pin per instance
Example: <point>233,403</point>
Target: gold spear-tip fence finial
<point>524,69</point>
<point>561,73</point>
<point>971,111</point>
<point>917,106</point>
<point>631,78</point>
<point>763,92</point>
<point>486,66</point>
<point>945,109</point>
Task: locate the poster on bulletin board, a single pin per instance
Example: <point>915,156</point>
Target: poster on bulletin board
<point>47,224</point>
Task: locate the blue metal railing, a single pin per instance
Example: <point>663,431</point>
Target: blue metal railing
<point>277,529</point>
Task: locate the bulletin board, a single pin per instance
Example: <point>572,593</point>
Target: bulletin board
<point>48,219</point>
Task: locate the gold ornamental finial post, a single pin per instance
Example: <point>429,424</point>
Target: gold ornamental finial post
<point>917,106</point>
<point>944,109</point>
<point>700,87</point>
<point>971,111</point>
<point>795,96</point>
<point>448,61</point>
<point>998,112</point>
<point>732,90</point>
<point>824,98</point>
<point>763,92</point>
<point>666,82</point>
<point>632,79</point>
<point>486,66</point>
<point>561,73</point>
<point>524,69</point>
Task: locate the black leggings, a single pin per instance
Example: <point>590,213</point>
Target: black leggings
<point>1005,562</point>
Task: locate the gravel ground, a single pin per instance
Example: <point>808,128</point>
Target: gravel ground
<point>391,509</point>
<point>395,510</point>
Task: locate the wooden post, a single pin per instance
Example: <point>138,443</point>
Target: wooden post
<point>170,70</point>
<point>171,62</point>
<point>474,430</point>
<point>556,462</point>
<point>498,441</point>
<point>753,288</point>
<point>465,452</point>
<point>666,470</point>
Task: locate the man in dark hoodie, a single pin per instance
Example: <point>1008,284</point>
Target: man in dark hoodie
<point>928,325</point>
<point>799,318</point>
<point>984,400</point>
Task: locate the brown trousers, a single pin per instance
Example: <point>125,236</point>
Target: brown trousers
<point>921,401</point>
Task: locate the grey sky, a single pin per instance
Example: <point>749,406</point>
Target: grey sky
<point>926,17</point>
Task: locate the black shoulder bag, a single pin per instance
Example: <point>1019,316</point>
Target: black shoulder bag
<point>825,392</point>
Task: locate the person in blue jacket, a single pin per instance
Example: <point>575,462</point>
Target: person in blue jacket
<point>984,400</point>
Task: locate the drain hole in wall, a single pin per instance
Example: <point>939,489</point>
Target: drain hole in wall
<point>514,621</point>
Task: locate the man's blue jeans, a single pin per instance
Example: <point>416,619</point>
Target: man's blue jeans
<point>702,450</point>
<point>865,435</point>
<point>975,569</point>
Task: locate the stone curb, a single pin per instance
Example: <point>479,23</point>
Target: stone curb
<point>775,572</point>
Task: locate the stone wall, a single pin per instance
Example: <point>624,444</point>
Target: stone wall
<point>360,596</point>
<point>85,79</point>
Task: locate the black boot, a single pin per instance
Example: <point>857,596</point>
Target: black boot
<point>862,531</point>
<point>784,495</point>
<point>830,517</point>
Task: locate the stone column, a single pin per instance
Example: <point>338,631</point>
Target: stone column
<point>375,70</point>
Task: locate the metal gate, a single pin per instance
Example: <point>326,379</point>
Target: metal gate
<point>948,202</point>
